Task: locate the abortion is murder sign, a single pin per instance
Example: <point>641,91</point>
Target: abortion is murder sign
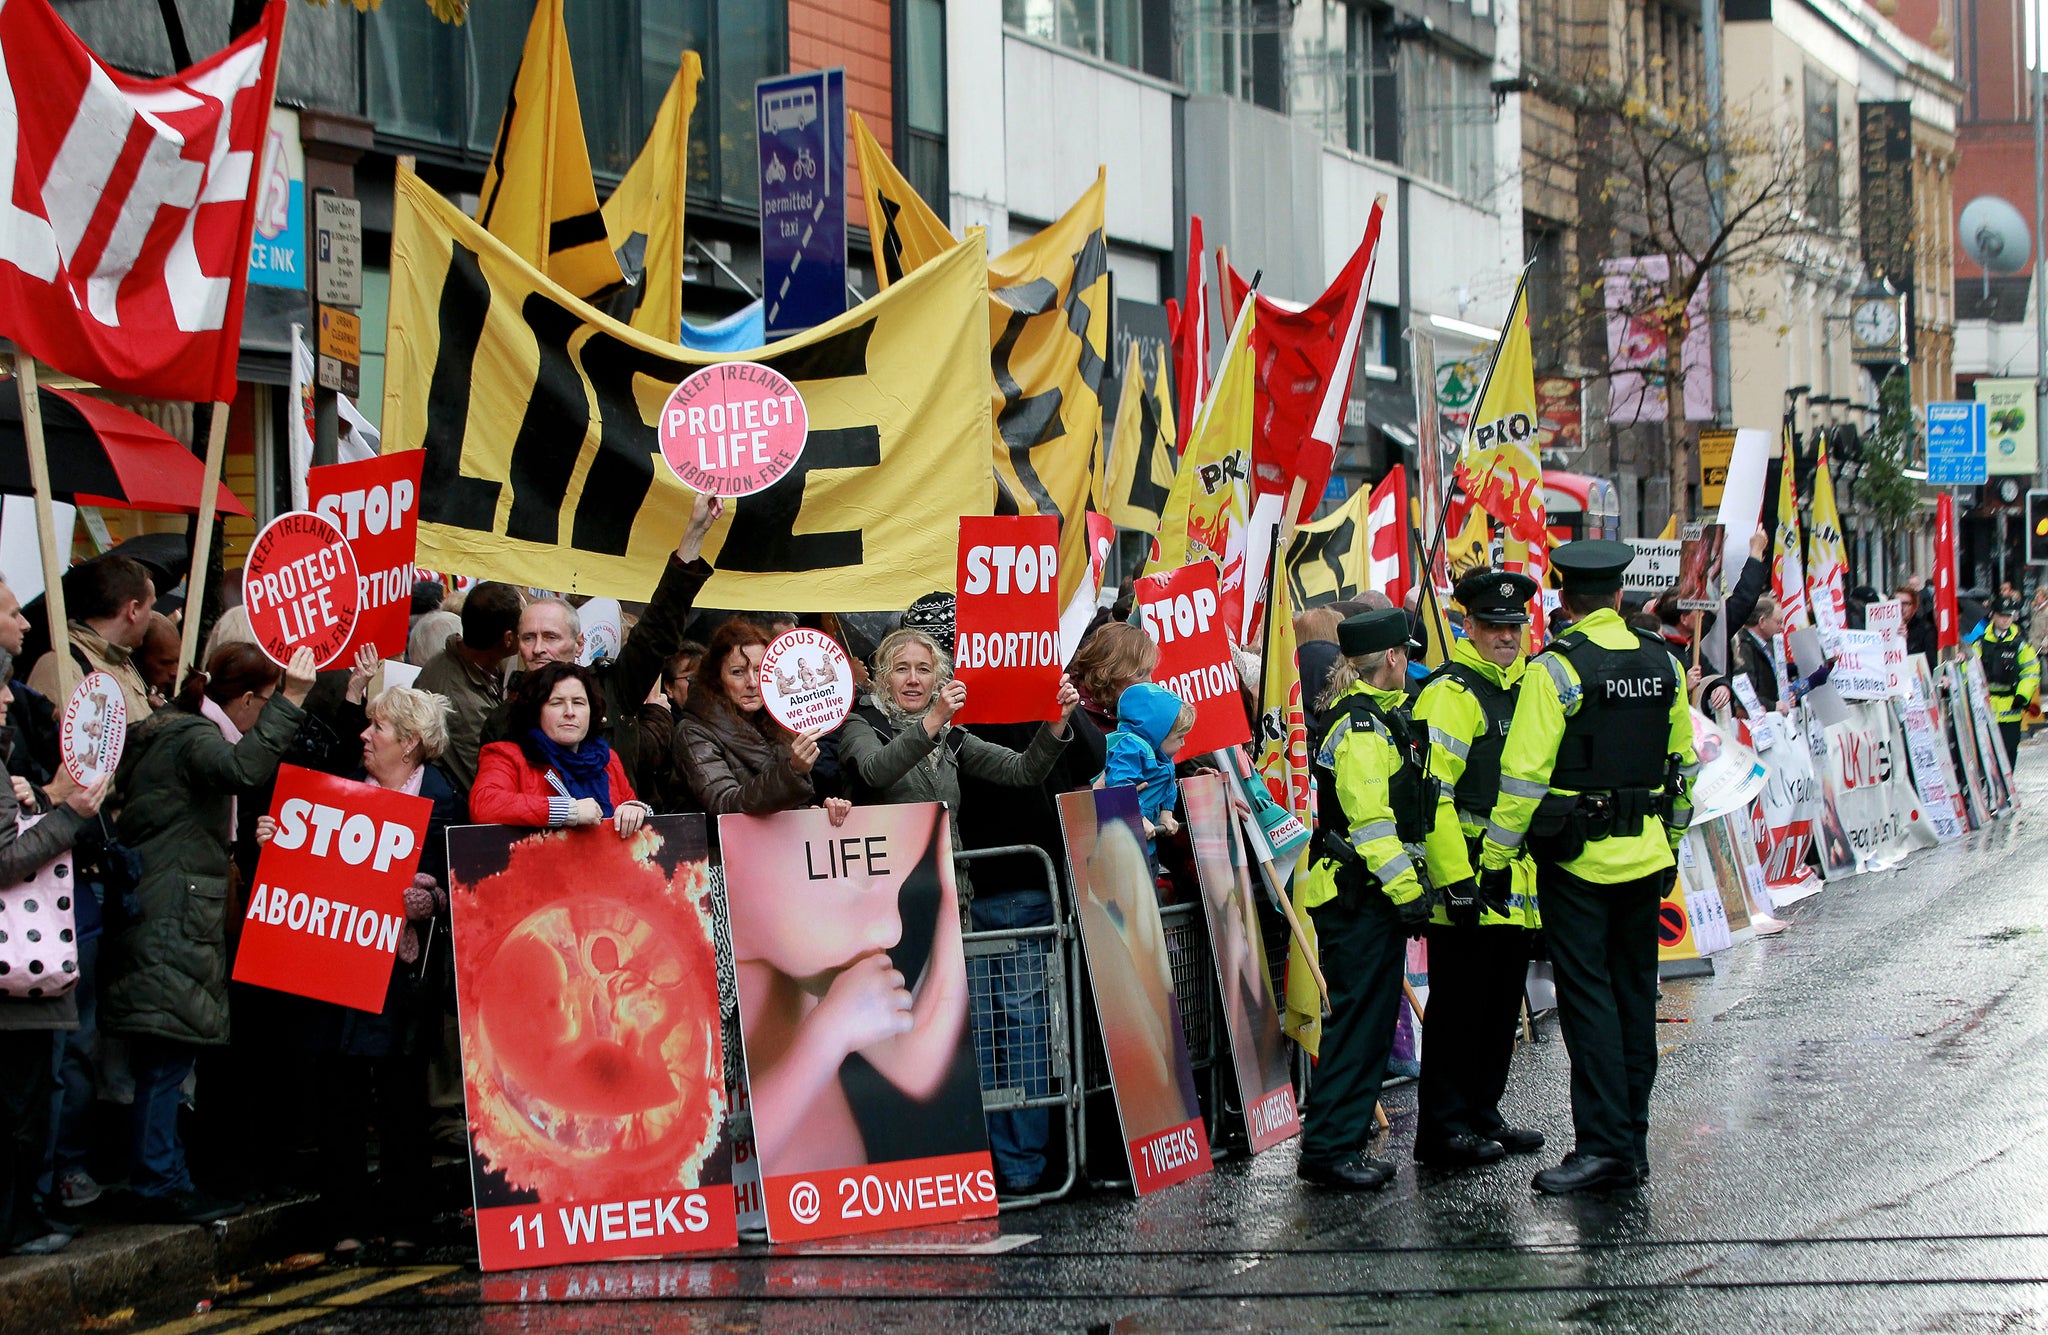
<point>329,904</point>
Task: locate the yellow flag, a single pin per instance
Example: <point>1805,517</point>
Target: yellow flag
<point>1670,529</point>
<point>1471,548</point>
<point>538,197</point>
<point>538,416</point>
<point>643,220</point>
<point>903,228</point>
<point>1499,467</point>
<point>1329,559</point>
<point>1206,512</point>
<point>1827,558</point>
<point>1048,338</point>
<point>1141,449</point>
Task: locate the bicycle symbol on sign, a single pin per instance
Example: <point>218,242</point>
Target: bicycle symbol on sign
<point>806,165</point>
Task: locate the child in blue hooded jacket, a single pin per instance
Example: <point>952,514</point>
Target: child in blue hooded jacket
<point>1151,724</point>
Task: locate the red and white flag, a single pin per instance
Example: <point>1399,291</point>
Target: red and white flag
<point>1191,337</point>
<point>1305,356</point>
<point>124,237</point>
<point>1386,534</point>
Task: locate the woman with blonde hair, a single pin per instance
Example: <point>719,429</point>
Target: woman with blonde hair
<point>373,1068</point>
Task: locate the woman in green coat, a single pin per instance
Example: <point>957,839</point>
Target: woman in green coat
<point>165,960</point>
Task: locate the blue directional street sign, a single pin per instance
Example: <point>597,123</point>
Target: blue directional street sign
<point>1956,437</point>
<point>800,120</point>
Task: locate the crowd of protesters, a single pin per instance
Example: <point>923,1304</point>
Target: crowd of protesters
<point>509,721</point>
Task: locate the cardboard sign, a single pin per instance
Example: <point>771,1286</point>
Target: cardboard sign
<point>1859,666</point>
<point>806,681</point>
<point>1699,568</point>
<point>1655,567</point>
<point>329,903</point>
<point>94,730</point>
<point>733,429</point>
<point>1729,776</point>
<point>1124,942</point>
<point>300,588</point>
<point>375,504</point>
<point>586,981</point>
<point>1258,1049</point>
<point>1007,619</point>
<point>1179,610</point>
<point>847,944</point>
<point>1783,817</point>
<point>1887,619</point>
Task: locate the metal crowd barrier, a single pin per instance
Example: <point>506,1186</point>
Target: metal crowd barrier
<point>1024,1065</point>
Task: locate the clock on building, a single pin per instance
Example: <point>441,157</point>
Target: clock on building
<point>1877,327</point>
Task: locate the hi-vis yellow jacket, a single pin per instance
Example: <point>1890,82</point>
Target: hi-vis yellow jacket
<point>1363,759</point>
<point>1455,720</point>
<point>1548,698</point>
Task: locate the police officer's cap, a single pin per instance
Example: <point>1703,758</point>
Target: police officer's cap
<point>1370,632</point>
<point>2006,607</point>
<point>1497,598</point>
<point>1592,565</point>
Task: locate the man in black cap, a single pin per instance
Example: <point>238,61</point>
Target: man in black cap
<point>1478,946</point>
<point>1363,891</point>
<point>2011,670</point>
<point>1594,774</point>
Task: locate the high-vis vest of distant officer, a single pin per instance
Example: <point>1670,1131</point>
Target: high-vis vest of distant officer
<point>1479,786</point>
<point>1406,790</point>
<point>2001,659</point>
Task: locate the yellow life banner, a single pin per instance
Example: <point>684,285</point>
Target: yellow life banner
<point>538,416</point>
<point>903,228</point>
<point>643,220</point>
<point>1827,557</point>
<point>1499,467</point>
<point>1142,449</point>
<point>1329,559</point>
<point>538,197</point>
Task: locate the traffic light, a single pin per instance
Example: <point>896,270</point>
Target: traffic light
<point>2037,528</point>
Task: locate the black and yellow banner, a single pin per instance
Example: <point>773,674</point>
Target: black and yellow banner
<point>1328,560</point>
<point>1141,449</point>
<point>902,226</point>
<point>538,414</point>
<point>538,197</point>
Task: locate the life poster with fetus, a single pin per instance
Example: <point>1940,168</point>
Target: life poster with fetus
<point>1258,1050</point>
<point>1124,942</point>
<point>861,1076</point>
<point>587,987</point>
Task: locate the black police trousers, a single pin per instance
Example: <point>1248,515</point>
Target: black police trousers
<point>1364,953</point>
<point>1603,949</point>
<point>1476,979</point>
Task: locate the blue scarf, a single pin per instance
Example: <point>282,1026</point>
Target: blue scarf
<point>582,771</point>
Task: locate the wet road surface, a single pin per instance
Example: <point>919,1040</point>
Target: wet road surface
<point>1846,1136</point>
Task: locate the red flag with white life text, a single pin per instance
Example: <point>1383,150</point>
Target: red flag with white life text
<point>124,234</point>
<point>1947,633</point>
<point>1386,529</point>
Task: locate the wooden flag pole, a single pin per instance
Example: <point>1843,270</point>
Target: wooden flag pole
<point>46,527</point>
<point>202,536</point>
<point>1294,928</point>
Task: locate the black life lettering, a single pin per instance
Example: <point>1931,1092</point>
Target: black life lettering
<point>446,495</point>
<point>1146,494</point>
<point>622,472</point>
<point>1328,548</point>
<point>550,437</point>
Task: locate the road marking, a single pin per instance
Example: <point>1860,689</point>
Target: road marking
<point>228,1320</point>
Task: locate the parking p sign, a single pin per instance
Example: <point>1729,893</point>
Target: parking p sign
<point>1955,444</point>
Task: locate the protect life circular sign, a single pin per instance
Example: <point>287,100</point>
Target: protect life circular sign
<point>300,590</point>
<point>807,681</point>
<point>733,429</point>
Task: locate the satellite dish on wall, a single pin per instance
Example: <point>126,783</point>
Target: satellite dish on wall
<point>1995,235</point>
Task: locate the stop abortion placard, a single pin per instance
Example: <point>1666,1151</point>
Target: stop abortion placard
<point>1179,611</point>
<point>329,903</point>
<point>1007,619</point>
<point>375,504</point>
<point>299,588</point>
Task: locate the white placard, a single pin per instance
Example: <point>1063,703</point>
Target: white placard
<point>807,681</point>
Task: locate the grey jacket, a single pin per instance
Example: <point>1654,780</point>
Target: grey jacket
<point>891,766</point>
<point>21,853</point>
<point>163,972</point>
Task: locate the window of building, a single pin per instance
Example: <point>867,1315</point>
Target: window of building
<point>921,99</point>
<point>1339,77</point>
<point>1137,34</point>
<point>1823,149</point>
<point>1239,48</point>
<point>443,87</point>
<point>1447,117</point>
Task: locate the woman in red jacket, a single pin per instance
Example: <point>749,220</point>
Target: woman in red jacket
<point>558,770</point>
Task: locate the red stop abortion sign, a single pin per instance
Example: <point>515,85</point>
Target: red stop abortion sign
<point>299,588</point>
<point>733,429</point>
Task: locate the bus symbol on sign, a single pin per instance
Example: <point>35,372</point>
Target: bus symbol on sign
<point>792,109</point>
